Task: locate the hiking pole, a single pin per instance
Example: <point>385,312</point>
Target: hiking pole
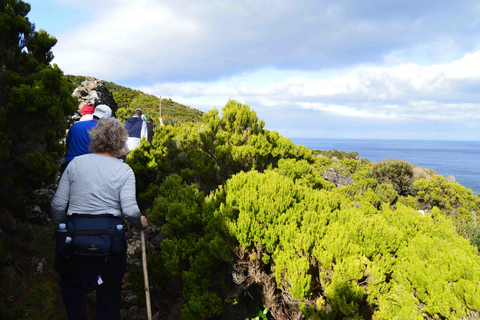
<point>145,276</point>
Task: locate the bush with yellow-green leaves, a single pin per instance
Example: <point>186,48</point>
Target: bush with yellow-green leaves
<point>244,210</point>
<point>331,256</point>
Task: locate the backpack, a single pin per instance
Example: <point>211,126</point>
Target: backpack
<point>91,235</point>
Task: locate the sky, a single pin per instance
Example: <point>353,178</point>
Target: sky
<point>310,68</point>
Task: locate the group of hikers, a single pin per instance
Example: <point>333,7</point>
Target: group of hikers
<point>95,192</point>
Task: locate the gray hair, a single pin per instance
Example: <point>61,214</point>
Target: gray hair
<point>109,135</point>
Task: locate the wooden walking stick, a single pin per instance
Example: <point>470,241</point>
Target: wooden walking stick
<point>145,276</point>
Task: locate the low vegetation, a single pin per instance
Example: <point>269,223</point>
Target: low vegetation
<point>244,210</point>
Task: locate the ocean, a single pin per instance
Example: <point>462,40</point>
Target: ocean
<point>460,159</point>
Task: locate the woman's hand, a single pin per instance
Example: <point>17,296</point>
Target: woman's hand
<point>144,222</point>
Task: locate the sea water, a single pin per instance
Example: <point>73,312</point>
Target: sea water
<point>460,159</point>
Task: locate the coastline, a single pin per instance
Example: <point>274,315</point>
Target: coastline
<point>446,157</point>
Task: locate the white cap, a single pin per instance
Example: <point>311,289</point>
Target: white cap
<point>102,111</point>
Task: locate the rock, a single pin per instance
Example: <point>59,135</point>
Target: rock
<point>130,301</point>
<point>451,179</point>
<point>157,240</point>
<point>332,176</point>
<point>79,92</point>
<point>94,91</point>
<point>43,197</point>
<point>38,217</point>
<point>92,86</point>
<point>134,313</point>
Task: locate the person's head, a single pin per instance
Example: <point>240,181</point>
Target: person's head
<point>150,120</point>
<point>137,113</point>
<point>102,111</point>
<point>87,109</point>
<point>109,135</point>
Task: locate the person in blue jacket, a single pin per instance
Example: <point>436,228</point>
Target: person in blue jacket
<point>78,140</point>
<point>137,129</point>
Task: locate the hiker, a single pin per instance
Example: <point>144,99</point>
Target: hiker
<point>98,189</point>
<point>137,129</point>
<point>78,140</point>
<point>150,128</point>
<point>87,112</point>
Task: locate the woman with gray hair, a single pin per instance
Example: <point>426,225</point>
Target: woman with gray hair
<point>98,189</point>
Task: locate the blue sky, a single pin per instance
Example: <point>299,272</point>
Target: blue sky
<point>309,68</point>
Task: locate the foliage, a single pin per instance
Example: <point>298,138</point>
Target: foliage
<point>398,173</point>
<point>75,80</point>
<point>334,257</point>
<point>336,154</point>
<point>209,153</point>
<point>34,100</point>
<point>303,173</point>
<point>387,194</point>
<point>27,291</point>
<point>205,154</point>
<point>446,195</point>
<point>192,251</point>
<point>359,251</point>
<point>351,165</point>
<point>455,200</point>
<point>172,112</point>
<point>261,315</point>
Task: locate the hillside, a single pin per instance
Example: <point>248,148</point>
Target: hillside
<point>129,99</point>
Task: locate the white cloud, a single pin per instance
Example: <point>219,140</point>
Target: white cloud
<point>179,40</point>
<point>368,61</point>
<point>399,92</point>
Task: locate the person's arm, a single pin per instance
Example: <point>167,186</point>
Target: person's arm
<point>128,202</point>
<point>60,199</point>
<point>144,131</point>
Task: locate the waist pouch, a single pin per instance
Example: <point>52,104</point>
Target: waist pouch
<point>92,235</point>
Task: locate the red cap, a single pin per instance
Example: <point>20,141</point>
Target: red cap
<point>88,109</point>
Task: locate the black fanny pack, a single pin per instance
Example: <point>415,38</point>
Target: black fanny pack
<point>91,235</point>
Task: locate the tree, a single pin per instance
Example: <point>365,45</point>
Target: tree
<point>209,153</point>
<point>398,173</point>
<point>35,97</point>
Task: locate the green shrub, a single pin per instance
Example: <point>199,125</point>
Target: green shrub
<point>387,194</point>
<point>455,200</point>
<point>336,154</point>
<point>353,252</point>
<point>449,196</point>
<point>408,201</point>
<point>35,97</point>
<point>192,252</point>
<point>209,153</point>
<point>351,165</point>
<point>303,173</point>
<point>395,172</point>
<point>334,258</point>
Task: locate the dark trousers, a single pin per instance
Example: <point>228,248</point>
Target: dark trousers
<point>79,276</point>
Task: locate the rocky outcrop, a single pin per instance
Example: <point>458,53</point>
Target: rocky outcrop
<point>94,91</point>
<point>334,177</point>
